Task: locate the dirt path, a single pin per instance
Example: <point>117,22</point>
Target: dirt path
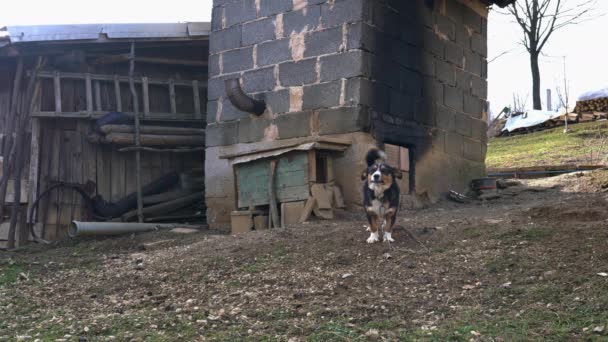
<point>523,267</point>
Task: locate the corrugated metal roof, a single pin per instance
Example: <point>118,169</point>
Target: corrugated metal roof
<point>38,33</point>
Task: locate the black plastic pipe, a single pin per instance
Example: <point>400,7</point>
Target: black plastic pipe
<point>240,100</point>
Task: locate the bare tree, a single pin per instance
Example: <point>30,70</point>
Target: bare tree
<point>564,97</point>
<point>539,19</point>
<point>519,103</point>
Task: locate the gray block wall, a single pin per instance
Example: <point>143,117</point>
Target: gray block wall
<point>430,71</point>
<point>405,72</point>
<point>295,56</point>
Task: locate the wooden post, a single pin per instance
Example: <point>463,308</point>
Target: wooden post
<point>18,152</point>
<point>117,94</point>
<point>140,214</point>
<point>197,100</point>
<point>57,89</point>
<point>272,196</point>
<point>144,91</point>
<point>98,96</point>
<point>9,142</point>
<point>34,165</point>
<point>172,97</point>
<point>89,91</point>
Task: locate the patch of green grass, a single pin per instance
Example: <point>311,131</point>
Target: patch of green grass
<point>335,332</point>
<point>582,145</point>
<point>280,250</point>
<point>255,266</point>
<point>381,325</point>
<point>531,325</point>
<point>235,283</point>
<point>472,232</point>
<point>51,333</point>
<point>9,273</point>
<point>536,233</point>
<point>546,293</point>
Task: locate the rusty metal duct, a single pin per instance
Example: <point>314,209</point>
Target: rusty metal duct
<point>242,101</point>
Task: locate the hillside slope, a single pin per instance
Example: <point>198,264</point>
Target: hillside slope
<point>586,143</point>
<point>529,266</point>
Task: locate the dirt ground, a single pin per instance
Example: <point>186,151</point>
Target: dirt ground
<point>528,266</point>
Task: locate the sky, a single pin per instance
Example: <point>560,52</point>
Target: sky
<point>583,45</point>
<point>40,12</point>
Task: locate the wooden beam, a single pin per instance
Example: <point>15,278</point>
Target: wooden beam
<point>146,96</point>
<point>117,93</point>
<point>57,90</point>
<point>34,165</point>
<point>9,142</point>
<point>166,207</point>
<point>111,59</point>
<point>150,129</point>
<point>274,215</point>
<point>162,150</point>
<point>97,114</point>
<point>89,93</point>
<point>123,79</point>
<point>154,139</point>
<point>140,215</point>
<point>172,96</point>
<point>97,96</point>
<point>197,100</point>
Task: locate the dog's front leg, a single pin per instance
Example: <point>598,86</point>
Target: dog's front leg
<point>388,226</point>
<point>374,224</point>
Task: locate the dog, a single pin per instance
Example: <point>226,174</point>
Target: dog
<point>380,195</point>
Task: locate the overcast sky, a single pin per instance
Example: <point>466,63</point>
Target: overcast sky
<point>583,45</point>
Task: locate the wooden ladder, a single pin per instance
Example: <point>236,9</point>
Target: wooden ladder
<point>93,88</point>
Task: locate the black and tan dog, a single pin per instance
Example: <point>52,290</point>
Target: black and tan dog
<point>380,194</point>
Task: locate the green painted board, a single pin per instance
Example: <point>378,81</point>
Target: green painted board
<point>291,180</point>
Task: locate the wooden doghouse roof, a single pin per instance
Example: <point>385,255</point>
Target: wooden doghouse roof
<point>276,148</point>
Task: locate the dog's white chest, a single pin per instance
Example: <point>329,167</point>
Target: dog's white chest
<point>378,189</point>
<point>376,207</point>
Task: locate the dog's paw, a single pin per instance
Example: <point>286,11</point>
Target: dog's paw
<point>388,237</point>
<point>373,237</point>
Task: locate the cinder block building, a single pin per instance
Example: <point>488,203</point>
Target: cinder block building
<point>406,75</point>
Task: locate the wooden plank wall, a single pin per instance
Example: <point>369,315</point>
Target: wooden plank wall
<point>67,155</point>
<point>291,182</point>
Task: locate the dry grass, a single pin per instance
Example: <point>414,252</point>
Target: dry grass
<point>584,144</point>
<point>510,270</point>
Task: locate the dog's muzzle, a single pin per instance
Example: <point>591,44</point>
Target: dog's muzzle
<point>377,177</point>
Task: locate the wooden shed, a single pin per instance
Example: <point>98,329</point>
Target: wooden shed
<point>59,80</point>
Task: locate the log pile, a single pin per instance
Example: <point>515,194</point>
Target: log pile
<point>590,106</point>
<point>157,136</point>
<point>171,198</point>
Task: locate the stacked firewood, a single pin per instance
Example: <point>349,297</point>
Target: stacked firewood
<point>590,106</point>
<point>157,136</point>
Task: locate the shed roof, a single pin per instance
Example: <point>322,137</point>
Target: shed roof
<point>103,32</point>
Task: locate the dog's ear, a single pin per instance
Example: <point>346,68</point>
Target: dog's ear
<point>398,174</point>
<point>364,174</point>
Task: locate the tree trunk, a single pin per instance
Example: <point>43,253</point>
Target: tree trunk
<point>536,100</point>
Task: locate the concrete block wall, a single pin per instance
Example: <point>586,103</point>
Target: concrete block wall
<point>429,71</point>
<point>404,72</point>
<point>294,54</point>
